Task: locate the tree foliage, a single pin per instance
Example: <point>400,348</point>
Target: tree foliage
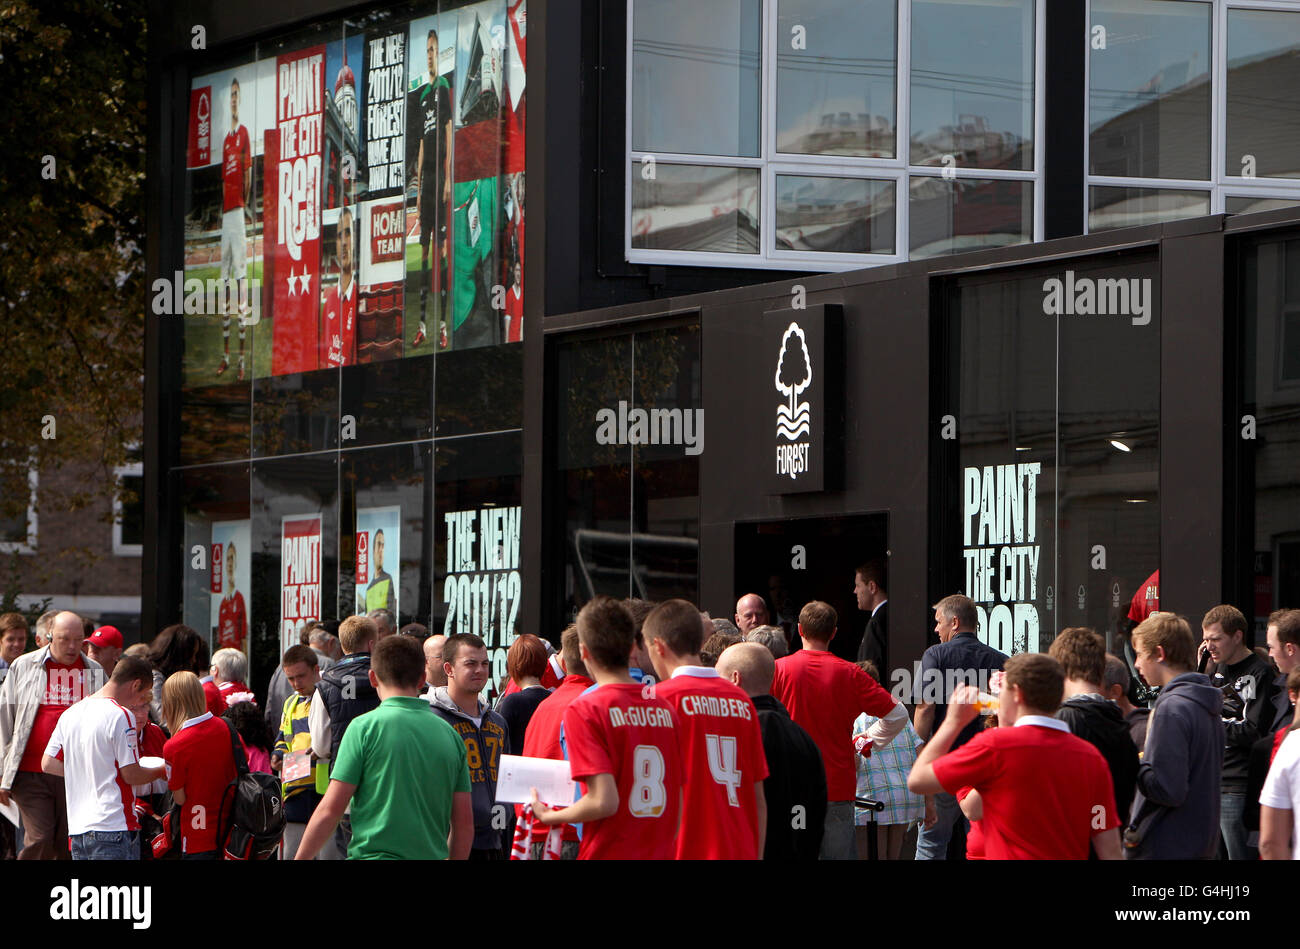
<point>72,231</point>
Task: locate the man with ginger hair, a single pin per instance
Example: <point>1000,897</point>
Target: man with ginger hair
<point>824,695</point>
<point>1176,808</point>
<point>796,780</point>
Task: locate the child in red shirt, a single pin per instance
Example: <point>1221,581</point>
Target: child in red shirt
<point>622,746</point>
<point>200,764</point>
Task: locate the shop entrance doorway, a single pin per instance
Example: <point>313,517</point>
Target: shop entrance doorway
<point>794,560</point>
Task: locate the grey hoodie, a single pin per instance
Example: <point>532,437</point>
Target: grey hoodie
<point>485,743</point>
<point>1176,809</point>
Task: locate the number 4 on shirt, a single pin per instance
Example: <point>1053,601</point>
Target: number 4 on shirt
<point>722,764</point>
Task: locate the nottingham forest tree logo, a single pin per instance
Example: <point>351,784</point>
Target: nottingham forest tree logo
<point>793,376</point>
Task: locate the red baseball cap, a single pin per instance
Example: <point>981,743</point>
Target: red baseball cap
<point>106,636</point>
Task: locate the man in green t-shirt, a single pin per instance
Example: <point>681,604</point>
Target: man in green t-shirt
<point>402,768</point>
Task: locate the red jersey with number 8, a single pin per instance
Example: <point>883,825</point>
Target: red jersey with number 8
<point>722,756</point>
<point>616,730</point>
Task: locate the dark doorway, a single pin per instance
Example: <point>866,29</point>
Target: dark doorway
<point>792,561</point>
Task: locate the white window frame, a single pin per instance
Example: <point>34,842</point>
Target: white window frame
<point>771,163</point>
<point>1220,185</point>
<point>18,546</point>
<point>133,470</point>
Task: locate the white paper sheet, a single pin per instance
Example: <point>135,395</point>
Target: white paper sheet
<point>517,776</point>
<point>10,812</point>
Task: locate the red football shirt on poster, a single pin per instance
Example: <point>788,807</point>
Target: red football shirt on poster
<point>232,622</point>
<point>1045,792</point>
<point>542,737</point>
<point>824,694</point>
<point>1146,600</point>
<point>722,756</point>
<point>63,689</point>
<point>614,730</point>
<point>236,158</point>
<point>200,760</point>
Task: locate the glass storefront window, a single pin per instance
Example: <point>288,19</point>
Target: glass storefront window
<point>1149,89</point>
<point>1052,503</point>
<point>1263,127</point>
<point>950,216</point>
<point>1128,207</point>
<point>1246,204</point>
<point>972,83</point>
<point>836,74</point>
<point>695,77</point>
<point>835,215</point>
<point>694,207</point>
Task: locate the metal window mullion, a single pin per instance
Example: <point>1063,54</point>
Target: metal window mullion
<point>627,135</point>
<point>1040,119</point>
<point>1218,102</point>
<point>767,131</point>
<point>1086,39</point>
<point>903,128</point>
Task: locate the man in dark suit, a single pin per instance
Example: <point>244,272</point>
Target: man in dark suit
<point>869,588</point>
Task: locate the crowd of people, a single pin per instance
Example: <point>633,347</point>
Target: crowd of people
<point>687,737</point>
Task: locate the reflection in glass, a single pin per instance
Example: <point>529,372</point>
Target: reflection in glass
<point>836,215</point>
<point>1240,204</point>
<point>972,83</point>
<point>1149,91</point>
<point>215,423</point>
<point>969,213</point>
<point>695,76</point>
<point>836,94</point>
<point>1263,139</point>
<point>296,413</point>
<point>691,207</point>
<point>1128,207</point>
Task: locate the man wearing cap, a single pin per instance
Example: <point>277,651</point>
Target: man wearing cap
<point>105,647</point>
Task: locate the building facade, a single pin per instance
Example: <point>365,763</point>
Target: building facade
<point>963,284</point>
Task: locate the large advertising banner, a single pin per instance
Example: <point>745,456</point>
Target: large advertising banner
<point>379,548</point>
<point>382,218</point>
<point>483,586</point>
<point>293,208</point>
<point>230,555</point>
<point>300,575</point>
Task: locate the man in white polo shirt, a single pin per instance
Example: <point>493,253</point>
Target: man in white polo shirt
<point>93,748</point>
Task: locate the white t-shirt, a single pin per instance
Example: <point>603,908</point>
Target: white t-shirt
<point>1282,788</point>
<point>94,738</point>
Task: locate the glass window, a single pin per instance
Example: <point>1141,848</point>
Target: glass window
<point>1263,137</point>
<point>972,83</point>
<point>1128,207</point>
<point>693,207</point>
<point>835,215</point>
<point>695,76</point>
<point>1245,204</point>
<point>477,585</point>
<point>969,213</point>
<point>1056,520</point>
<point>216,588</point>
<point>1270,295</point>
<point>836,74</point>
<point>1149,89</point>
<point>479,390</point>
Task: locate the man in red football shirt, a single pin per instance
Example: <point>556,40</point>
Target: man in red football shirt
<point>236,190</point>
<point>724,816</point>
<point>542,737</point>
<point>825,694</point>
<point>622,747</point>
<point>339,312</point>
<point>232,617</point>
<point>1039,792</point>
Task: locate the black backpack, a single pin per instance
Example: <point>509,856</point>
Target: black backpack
<point>252,811</point>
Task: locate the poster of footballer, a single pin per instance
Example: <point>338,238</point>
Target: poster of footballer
<point>223,237</point>
<point>229,562</point>
<point>300,575</point>
<point>379,558</point>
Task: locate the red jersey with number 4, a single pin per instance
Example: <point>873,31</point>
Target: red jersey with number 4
<point>615,730</point>
<point>722,757</point>
<point>232,622</point>
<point>235,160</point>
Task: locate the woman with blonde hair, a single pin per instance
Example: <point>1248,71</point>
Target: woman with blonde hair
<point>201,763</point>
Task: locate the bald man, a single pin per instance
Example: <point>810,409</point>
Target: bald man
<point>751,612</point>
<point>433,670</point>
<point>796,777</point>
<point>41,685</point>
